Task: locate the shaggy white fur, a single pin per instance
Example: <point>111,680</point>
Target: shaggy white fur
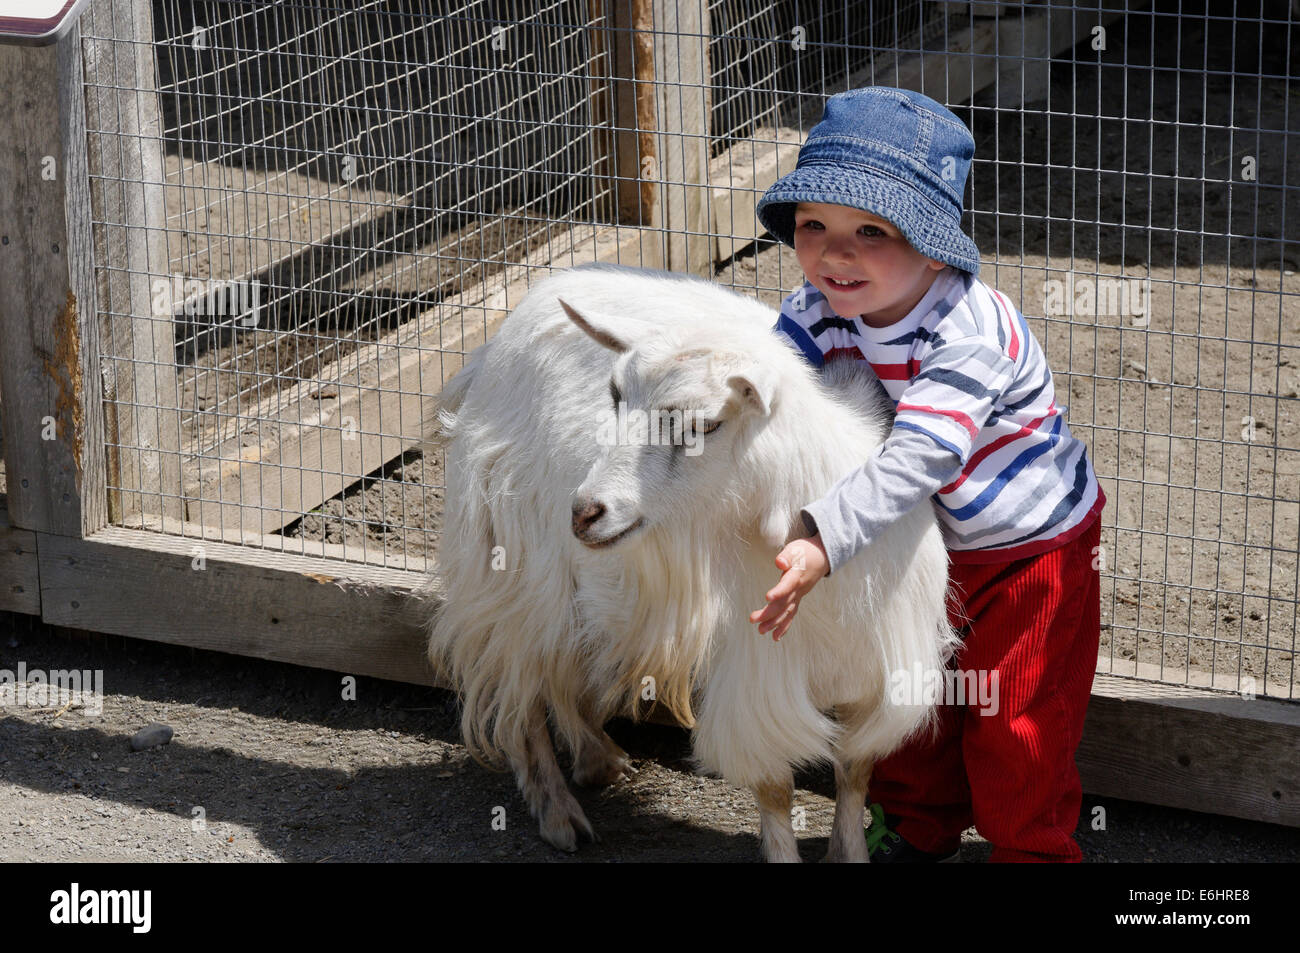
<point>579,575</point>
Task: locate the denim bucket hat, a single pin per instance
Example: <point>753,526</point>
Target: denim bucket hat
<point>893,153</point>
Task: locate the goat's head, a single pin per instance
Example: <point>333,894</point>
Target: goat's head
<point>678,412</point>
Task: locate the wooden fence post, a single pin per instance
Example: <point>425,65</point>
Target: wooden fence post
<point>49,381</point>
<point>135,287</point>
<point>661,129</point>
<point>682,90</point>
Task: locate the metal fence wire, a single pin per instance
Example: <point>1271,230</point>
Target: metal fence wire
<point>353,194</point>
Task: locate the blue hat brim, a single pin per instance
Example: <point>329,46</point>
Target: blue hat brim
<point>931,230</point>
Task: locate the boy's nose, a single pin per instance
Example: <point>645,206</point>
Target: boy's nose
<point>838,250</point>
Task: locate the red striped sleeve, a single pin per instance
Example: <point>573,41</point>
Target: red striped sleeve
<point>956,415</point>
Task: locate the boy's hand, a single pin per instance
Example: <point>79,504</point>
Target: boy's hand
<point>803,563</point>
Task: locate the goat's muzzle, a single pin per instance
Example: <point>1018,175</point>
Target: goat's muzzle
<point>585,513</point>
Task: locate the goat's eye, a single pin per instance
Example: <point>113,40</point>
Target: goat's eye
<point>699,430</point>
<point>614,395</point>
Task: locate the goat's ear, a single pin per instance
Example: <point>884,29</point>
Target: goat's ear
<point>754,387</point>
<point>596,330</point>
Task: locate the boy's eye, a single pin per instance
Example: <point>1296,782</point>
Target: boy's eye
<point>811,223</point>
<point>870,231</point>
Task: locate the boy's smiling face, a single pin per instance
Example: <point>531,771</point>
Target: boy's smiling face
<point>861,262</point>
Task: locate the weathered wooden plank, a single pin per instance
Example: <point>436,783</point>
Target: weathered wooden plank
<point>20,589</point>
<point>741,175</point>
<point>134,288</point>
<point>1193,749</point>
<point>321,613</point>
<point>273,542</point>
<point>661,92</point>
<point>53,417</point>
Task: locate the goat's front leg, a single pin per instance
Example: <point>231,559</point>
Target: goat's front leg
<point>848,842</point>
<point>776,832</point>
<point>542,784</point>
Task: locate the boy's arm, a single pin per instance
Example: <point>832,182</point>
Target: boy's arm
<point>909,468</point>
<point>938,418</point>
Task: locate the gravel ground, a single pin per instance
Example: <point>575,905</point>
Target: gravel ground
<point>284,769</point>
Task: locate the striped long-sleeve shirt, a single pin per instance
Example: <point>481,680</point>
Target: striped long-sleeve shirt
<point>977,426</point>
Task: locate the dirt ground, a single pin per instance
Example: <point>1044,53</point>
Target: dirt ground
<point>283,769</point>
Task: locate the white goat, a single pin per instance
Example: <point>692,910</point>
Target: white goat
<point>577,574</point>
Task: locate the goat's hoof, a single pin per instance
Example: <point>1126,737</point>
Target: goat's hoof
<point>834,857</point>
<point>560,836</point>
<point>560,827</point>
<point>783,858</point>
<point>603,773</point>
<point>855,852</point>
<point>780,853</point>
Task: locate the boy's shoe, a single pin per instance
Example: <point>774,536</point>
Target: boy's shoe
<point>887,847</point>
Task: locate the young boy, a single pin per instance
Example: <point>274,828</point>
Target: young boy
<point>873,210</point>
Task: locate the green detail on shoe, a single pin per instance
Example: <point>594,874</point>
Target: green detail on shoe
<point>878,832</point>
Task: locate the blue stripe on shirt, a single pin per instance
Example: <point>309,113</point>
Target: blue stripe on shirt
<point>933,337</point>
<point>1030,398</point>
<point>905,340</point>
<point>990,492</point>
<point>956,380</point>
<point>1024,330</point>
<point>905,425</point>
<point>997,322</point>
<point>943,308</point>
<point>801,339</point>
<point>832,321</point>
<point>1063,508</point>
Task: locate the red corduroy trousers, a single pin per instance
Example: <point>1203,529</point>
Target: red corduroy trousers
<point>1036,622</point>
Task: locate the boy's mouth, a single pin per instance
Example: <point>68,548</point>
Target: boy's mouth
<point>848,284</point>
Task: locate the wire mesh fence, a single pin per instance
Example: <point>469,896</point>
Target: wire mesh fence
<point>353,194</point>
